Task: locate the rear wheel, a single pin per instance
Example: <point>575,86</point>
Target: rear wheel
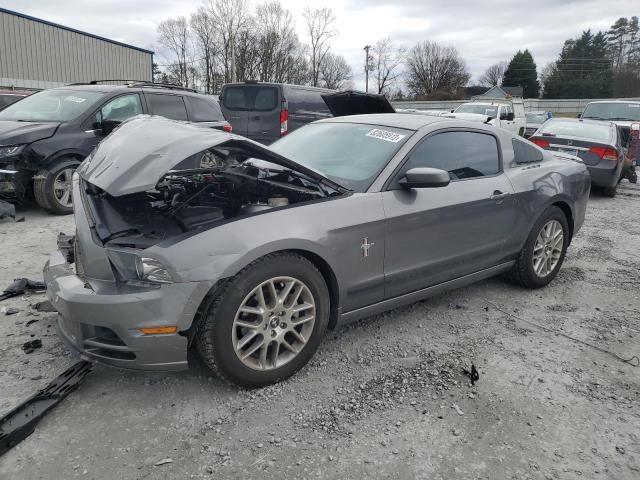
<point>52,187</point>
<point>267,322</point>
<point>543,253</point>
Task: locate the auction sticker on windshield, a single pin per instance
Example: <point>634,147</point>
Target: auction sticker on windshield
<point>385,135</point>
<point>71,98</point>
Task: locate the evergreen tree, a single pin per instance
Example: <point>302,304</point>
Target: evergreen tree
<point>583,69</point>
<point>522,72</point>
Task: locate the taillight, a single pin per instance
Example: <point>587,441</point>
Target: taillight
<point>605,153</point>
<point>541,142</point>
<point>227,128</point>
<point>284,122</point>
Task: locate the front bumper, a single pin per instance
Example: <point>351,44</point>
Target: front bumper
<point>101,320</point>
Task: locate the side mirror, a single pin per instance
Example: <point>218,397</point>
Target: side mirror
<point>424,177</point>
<point>452,110</point>
<point>109,126</point>
<point>579,115</point>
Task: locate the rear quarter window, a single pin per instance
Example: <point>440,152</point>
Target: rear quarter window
<point>524,152</point>
<point>306,100</point>
<point>169,106</point>
<point>203,110</point>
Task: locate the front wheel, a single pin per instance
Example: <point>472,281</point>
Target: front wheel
<point>543,253</point>
<point>267,322</point>
<point>52,187</point>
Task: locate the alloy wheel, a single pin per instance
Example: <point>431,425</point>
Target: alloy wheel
<point>547,249</point>
<point>62,187</point>
<point>274,323</point>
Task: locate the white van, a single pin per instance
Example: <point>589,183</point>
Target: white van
<point>505,113</point>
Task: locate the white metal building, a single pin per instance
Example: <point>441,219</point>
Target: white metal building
<point>38,54</point>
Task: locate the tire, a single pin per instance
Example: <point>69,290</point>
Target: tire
<point>50,198</point>
<point>610,191</point>
<point>219,334</point>
<point>524,271</point>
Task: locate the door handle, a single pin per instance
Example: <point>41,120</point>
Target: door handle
<point>498,195</point>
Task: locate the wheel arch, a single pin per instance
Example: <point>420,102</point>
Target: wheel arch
<point>316,259</point>
<point>566,209</point>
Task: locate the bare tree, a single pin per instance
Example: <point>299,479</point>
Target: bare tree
<point>206,40</point>
<point>435,69</point>
<point>174,35</point>
<point>335,72</point>
<point>493,75</point>
<point>387,58</point>
<point>298,71</point>
<point>247,53</point>
<point>230,17</point>
<point>277,40</point>
<point>319,22</point>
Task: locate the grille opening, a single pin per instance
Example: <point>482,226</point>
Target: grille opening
<point>115,354</point>
<point>102,335</point>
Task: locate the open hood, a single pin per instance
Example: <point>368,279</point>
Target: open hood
<point>357,103</point>
<point>137,154</point>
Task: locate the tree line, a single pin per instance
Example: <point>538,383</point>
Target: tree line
<point>228,40</point>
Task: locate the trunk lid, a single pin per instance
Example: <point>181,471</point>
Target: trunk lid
<point>357,103</point>
<point>135,156</point>
<point>575,146</point>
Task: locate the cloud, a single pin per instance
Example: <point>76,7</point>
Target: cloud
<point>483,32</point>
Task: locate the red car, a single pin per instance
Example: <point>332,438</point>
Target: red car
<point>7,97</point>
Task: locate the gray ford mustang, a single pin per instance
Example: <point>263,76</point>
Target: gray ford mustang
<point>192,237</point>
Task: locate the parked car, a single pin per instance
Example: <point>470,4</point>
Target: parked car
<point>534,120</point>
<point>264,112</point>
<point>44,137</point>
<point>505,113</point>
<point>7,97</point>
<point>621,112</point>
<point>249,253</point>
<point>598,144</point>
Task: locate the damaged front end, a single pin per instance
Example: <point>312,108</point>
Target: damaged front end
<point>147,187</point>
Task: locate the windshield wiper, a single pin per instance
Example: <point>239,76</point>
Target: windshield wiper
<point>545,134</point>
<point>121,233</point>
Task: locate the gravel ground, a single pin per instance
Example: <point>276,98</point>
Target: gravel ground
<point>384,397</point>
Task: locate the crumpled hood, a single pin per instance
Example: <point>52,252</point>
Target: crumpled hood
<point>357,103</point>
<point>137,154</point>
<point>15,133</point>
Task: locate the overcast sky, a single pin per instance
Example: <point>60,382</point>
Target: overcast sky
<point>484,32</point>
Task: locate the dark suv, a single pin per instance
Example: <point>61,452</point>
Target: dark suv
<point>45,136</point>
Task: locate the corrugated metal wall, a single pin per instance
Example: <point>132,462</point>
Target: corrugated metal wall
<point>38,55</point>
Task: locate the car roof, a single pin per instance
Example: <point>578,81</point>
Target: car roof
<point>103,88</point>
<point>614,101</point>
<point>582,120</point>
<point>399,120</point>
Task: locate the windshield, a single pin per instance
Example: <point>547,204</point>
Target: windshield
<point>51,106</point>
<point>536,117</point>
<point>488,110</point>
<point>351,154</point>
<point>592,131</point>
<point>613,111</point>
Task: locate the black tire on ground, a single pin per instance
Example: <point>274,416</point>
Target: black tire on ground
<point>43,187</point>
<point>214,332</point>
<point>523,272</point>
<point>610,191</point>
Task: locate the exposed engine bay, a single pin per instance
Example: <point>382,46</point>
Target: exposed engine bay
<point>208,188</point>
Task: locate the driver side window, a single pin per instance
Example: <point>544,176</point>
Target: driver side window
<point>120,109</point>
<point>463,154</point>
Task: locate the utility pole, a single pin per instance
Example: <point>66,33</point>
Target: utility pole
<point>366,67</point>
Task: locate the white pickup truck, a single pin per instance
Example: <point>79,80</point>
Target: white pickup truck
<point>505,113</point>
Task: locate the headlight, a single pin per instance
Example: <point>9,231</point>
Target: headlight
<point>141,269</point>
<point>10,150</point>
